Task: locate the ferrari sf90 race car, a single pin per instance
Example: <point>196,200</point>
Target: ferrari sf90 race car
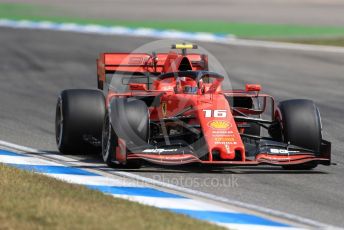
<point>169,109</point>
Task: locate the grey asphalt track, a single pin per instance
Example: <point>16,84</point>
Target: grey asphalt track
<point>36,65</point>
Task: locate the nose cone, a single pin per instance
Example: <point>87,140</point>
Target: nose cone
<point>220,130</point>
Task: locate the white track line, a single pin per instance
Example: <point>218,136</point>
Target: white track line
<point>161,34</point>
<point>175,203</point>
<point>255,227</point>
<point>26,160</point>
<point>285,46</point>
<point>91,180</point>
<point>252,207</point>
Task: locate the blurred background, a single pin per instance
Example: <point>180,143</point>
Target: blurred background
<point>305,21</point>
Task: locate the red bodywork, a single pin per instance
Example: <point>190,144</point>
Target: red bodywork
<point>223,132</point>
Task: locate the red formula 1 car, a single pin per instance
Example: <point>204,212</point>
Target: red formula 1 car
<point>167,108</point>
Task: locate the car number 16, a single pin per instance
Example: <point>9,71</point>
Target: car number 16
<point>215,113</point>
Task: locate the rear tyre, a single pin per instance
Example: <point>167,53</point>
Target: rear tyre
<point>301,126</point>
<point>79,120</point>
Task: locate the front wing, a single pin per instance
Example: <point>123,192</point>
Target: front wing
<point>265,152</point>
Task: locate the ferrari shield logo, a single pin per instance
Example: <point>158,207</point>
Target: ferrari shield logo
<point>164,108</point>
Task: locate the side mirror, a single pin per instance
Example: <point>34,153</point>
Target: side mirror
<point>138,86</point>
<point>253,87</point>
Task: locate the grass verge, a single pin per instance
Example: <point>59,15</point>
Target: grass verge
<point>32,201</point>
<point>19,11</point>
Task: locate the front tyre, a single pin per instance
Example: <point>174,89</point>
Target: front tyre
<point>109,142</point>
<point>127,119</point>
<point>109,145</point>
<point>301,126</point>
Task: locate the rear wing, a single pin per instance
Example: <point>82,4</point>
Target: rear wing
<point>147,63</point>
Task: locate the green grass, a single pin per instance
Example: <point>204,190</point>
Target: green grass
<point>33,201</point>
<point>245,30</point>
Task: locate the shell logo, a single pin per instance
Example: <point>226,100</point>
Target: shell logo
<point>219,124</point>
